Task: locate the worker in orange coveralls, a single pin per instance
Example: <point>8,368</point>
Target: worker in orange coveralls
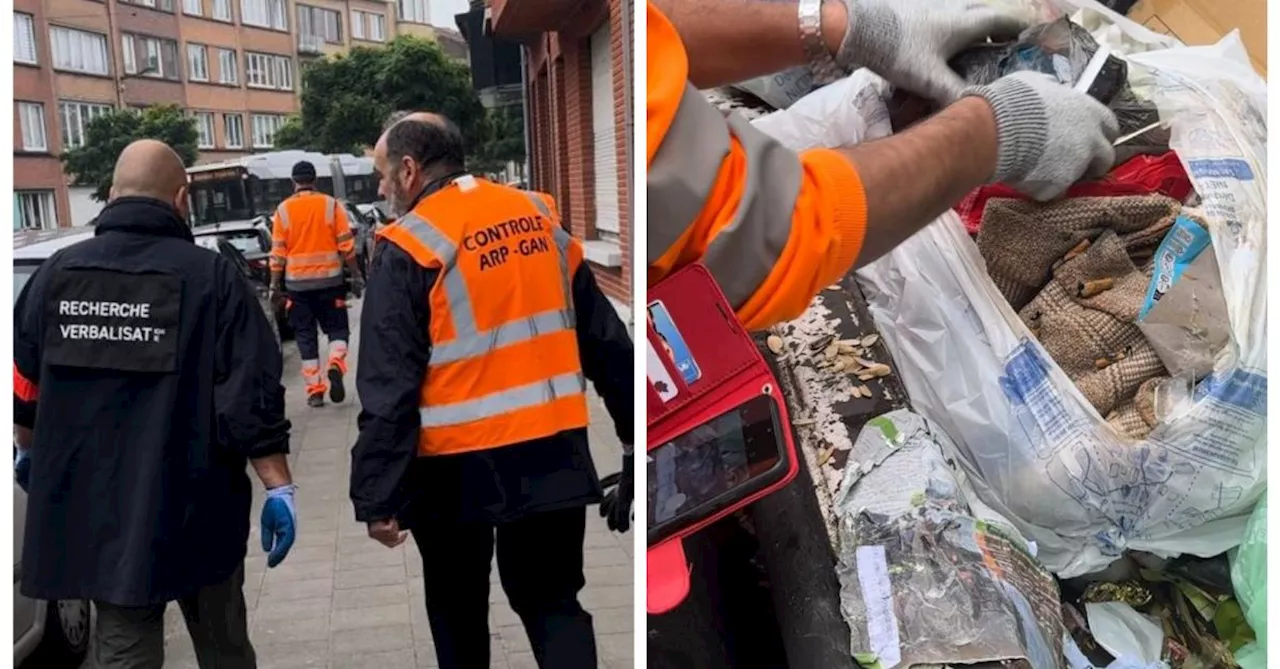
<point>311,241</point>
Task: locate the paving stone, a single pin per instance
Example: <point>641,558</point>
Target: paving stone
<point>294,609</point>
<point>613,621</point>
<point>371,640</point>
<point>404,658</point>
<point>304,655</point>
<point>374,576</point>
<point>372,616</point>
<point>374,595</point>
<point>607,596</point>
<point>300,571</point>
<point>308,589</point>
<point>617,649</point>
<point>290,630</point>
<point>383,558</point>
<point>521,660</point>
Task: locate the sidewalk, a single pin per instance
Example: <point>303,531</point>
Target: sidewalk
<point>343,601</point>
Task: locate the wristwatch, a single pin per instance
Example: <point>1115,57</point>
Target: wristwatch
<point>821,64</point>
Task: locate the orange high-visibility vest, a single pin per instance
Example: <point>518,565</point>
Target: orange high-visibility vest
<point>504,365</point>
<point>310,239</point>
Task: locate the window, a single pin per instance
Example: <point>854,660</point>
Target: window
<point>264,70</point>
<point>368,26</point>
<point>222,10</point>
<point>323,23</point>
<point>414,11</point>
<point>79,51</point>
<point>228,67</point>
<point>204,130</point>
<point>357,24</point>
<point>31,116</point>
<point>75,118</point>
<point>24,38</point>
<point>233,131</point>
<point>193,7</point>
<point>264,14</point>
<point>150,56</point>
<point>197,62</point>
<point>35,209</point>
<point>162,5</point>
<point>264,129</point>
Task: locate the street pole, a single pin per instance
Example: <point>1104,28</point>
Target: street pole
<point>524,109</point>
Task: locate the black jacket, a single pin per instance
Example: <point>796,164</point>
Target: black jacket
<point>158,377</point>
<point>494,485</point>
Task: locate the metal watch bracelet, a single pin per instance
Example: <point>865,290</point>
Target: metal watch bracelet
<point>821,64</point>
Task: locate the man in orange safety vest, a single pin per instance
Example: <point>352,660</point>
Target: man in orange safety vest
<point>311,241</point>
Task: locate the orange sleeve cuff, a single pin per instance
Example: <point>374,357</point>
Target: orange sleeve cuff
<point>835,177</point>
<point>23,388</point>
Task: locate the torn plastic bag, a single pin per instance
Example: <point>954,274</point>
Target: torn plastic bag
<point>1037,452</point>
<point>1060,49</point>
<point>925,577</point>
<point>1249,577</point>
<point>1025,431</point>
<point>848,112</point>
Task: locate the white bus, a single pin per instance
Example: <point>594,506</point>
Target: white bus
<point>246,188</point>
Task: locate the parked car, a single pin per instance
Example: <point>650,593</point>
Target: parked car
<point>52,635</point>
<point>253,240</point>
<point>229,251</point>
<point>369,218</point>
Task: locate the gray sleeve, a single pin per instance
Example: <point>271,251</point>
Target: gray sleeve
<point>692,160</point>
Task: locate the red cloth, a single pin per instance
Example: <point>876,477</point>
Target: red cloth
<point>1142,175</point>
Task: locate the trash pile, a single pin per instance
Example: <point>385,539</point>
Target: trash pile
<point>1087,453</point>
<point>930,576</point>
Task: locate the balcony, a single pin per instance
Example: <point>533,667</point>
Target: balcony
<point>521,19</point>
<point>310,45</point>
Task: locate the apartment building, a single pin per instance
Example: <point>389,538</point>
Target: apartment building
<point>234,64</point>
<point>578,94</point>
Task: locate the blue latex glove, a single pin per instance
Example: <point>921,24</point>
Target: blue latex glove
<point>22,468</point>
<point>279,523</point>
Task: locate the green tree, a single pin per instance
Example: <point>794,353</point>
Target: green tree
<point>106,136</point>
<point>346,98</point>
<point>503,140</point>
<point>290,135</point>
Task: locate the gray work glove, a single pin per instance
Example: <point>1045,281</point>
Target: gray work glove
<point>1049,136</point>
<point>908,42</point>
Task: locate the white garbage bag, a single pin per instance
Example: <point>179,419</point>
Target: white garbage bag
<point>1035,449</point>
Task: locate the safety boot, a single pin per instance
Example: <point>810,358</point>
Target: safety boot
<point>315,400</point>
<point>337,390</point>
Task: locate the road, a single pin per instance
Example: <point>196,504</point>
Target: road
<point>343,601</point>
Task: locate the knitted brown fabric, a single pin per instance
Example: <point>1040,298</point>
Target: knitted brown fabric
<point>1021,240</point>
<point>1136,419</point>
<point>1094,338</point>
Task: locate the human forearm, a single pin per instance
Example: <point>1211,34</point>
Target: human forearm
<point>912,178</point>
<point>273,470</point>
<point>733,40</point>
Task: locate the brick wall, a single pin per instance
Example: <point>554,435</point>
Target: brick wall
<point>562,154</point>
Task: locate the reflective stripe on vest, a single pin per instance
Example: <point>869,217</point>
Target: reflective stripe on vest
<point>469,341</point>
<point>497,404</point>
<point>329,212</point>
<point>502,370</point>
<point>316,270</point>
